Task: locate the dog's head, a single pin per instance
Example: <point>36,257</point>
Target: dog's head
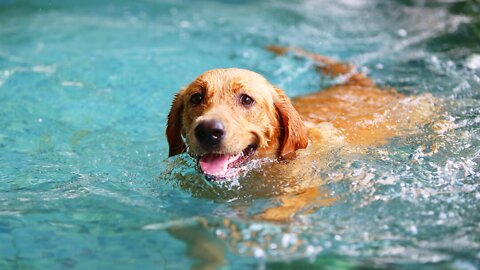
<point>227,116</point>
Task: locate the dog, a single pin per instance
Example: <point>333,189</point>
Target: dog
<point>228,117</point>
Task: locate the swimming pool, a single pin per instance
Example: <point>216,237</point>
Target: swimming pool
<point>85,88</point>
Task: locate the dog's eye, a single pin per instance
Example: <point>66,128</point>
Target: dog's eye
<point>196,98</point>
<point>246,100</point>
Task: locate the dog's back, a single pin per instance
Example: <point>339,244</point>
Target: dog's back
<point>358,112</point>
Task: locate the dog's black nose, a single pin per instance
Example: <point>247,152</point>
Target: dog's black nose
<point>210,133</point>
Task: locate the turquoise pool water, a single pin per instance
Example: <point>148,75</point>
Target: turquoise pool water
<point>85,87</point>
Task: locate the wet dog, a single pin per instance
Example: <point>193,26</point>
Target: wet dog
<point>226,117</point>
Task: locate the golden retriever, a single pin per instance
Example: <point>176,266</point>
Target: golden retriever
<point>226,117</point>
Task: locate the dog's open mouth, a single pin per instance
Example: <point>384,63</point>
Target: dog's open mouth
<point>218,164</point>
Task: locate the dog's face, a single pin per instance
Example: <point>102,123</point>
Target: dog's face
<point>227,116</point>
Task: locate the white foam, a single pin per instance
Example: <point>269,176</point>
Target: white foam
<point>44,69</point>
<point>473,61</point>
<point>72,84</point>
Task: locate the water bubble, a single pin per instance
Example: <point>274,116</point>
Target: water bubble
<point>402,33</point>
<point>473,61</point>
<point>185,24</point>
<point>258,252</point>
<point>288,239</point>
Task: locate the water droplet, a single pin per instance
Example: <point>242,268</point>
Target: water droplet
<point>402,33</point>
<point>258,252</point>
<point>413,229</point>
<point>473,61</point>
<point>185,24</point>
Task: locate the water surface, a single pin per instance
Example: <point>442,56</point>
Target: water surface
<point>85,88</point>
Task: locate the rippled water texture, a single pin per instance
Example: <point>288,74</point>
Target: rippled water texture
<point>85,87</point>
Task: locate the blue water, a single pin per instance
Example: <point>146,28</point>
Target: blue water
<point>85,88</point>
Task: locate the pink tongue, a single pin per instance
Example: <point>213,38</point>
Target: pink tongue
<point>214,164</point>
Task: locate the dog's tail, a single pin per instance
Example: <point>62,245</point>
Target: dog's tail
<point>328,66</point>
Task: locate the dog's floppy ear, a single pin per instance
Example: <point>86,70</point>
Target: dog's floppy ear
<point>174,127</point>
<point>293,130</point>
